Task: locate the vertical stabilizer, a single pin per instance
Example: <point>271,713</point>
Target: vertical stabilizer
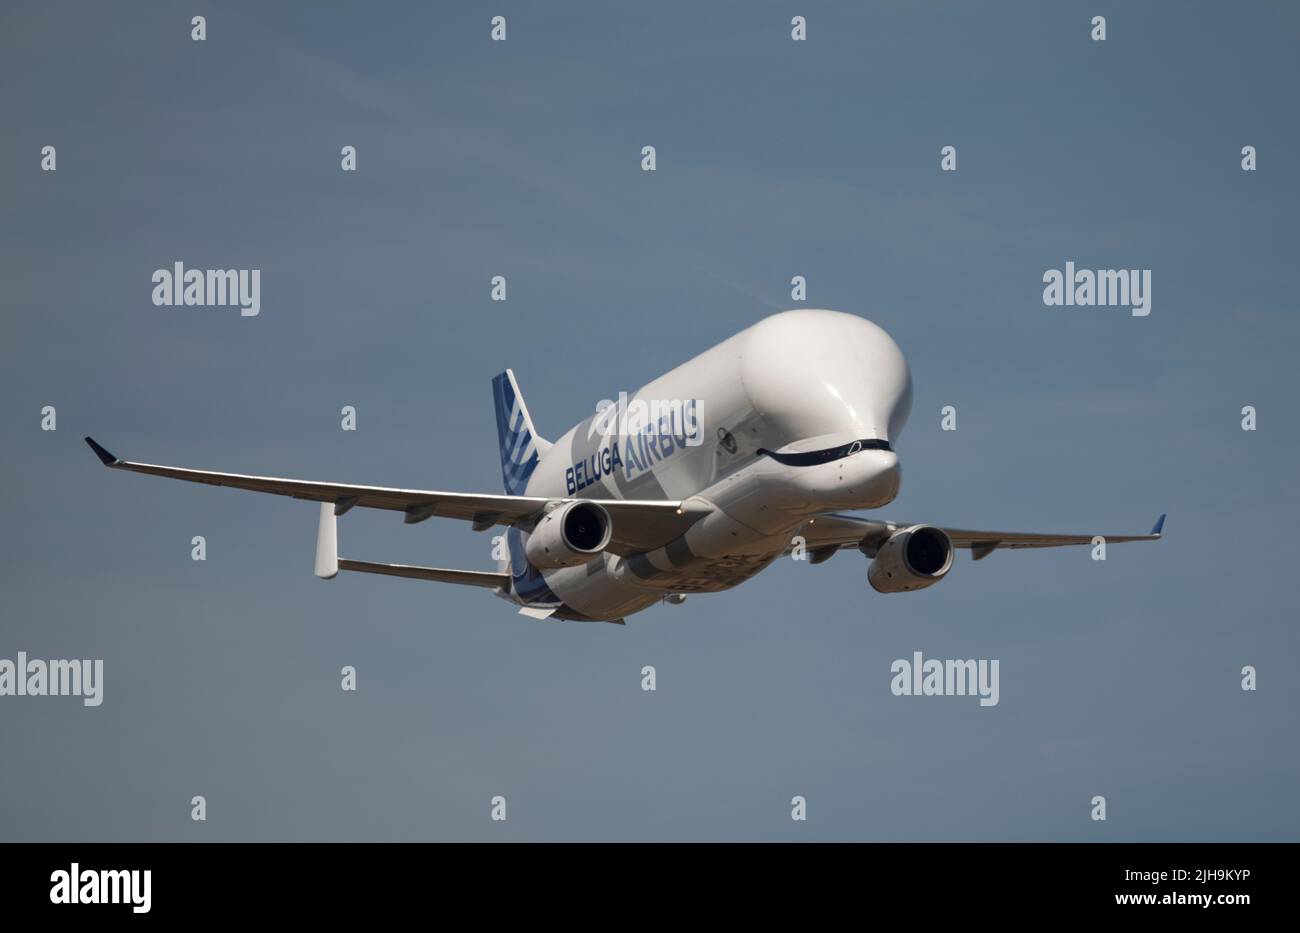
<point>521,447</point>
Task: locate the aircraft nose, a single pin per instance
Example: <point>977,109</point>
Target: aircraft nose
<point>874,479</point>
<point>860,474</point>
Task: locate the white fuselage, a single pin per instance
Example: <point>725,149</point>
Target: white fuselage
<point>794,383</point>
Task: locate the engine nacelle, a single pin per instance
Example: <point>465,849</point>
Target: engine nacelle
<point>569,535</point>
<point>911,559</point>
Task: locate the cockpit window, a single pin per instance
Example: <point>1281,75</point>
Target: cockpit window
<point>816,457</point>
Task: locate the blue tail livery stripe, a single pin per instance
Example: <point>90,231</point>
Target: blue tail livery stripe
<point>519,454</point>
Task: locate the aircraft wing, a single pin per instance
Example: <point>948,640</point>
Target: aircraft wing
<point>828,533</point>
<point>636,525</point>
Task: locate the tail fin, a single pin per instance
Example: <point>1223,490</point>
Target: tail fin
<point>521,447</point>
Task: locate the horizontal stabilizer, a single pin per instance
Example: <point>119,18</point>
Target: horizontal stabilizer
<point>537,612</point>
<point>437,574</point>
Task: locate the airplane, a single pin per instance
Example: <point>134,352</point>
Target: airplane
<point>752,450</point>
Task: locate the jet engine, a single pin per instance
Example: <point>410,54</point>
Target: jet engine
<point>911,559</point>
<point>569,535</point>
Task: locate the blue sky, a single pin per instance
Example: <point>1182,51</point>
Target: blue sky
<point>521,158</point>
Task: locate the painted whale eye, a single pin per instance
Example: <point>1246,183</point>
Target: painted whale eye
<point>818,457</point>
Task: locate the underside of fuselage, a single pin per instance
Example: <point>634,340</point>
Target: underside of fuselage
<point>610,600</point>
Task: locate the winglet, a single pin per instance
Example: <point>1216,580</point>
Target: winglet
<point>1160,526</point>
<point>104,456</point>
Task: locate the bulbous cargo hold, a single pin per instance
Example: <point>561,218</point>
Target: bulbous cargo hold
<point>784,390</point>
